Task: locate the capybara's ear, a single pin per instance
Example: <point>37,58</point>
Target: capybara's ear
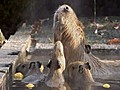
<point>31,63</point>
<point>49,64</point>
<point>23,66</point>
<point>87,49</point>
<point>39,64</point>
<point>87,65</point>
<point>81,68</point>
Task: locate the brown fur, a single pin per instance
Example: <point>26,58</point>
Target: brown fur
<point>55,77</point>
<point>67,29</point>
<point>23,67</point>
<point>79,76</point>
<point>34,75</point>
<point>78,73</point>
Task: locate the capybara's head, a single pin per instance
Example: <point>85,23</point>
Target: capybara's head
<point>58,59</point>
<point>66,21</point>
<point>32,65</point>
<point>79,73</point>
<point>22,68</point>
<point>64,13</point>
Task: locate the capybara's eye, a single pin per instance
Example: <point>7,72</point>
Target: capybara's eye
<point>80,66</point>
<point>73,68</point>
<point>39,64</point>
<point>23,66</point>
<point>66,9</point>
<point>31,64</point>
<point>80,69</point>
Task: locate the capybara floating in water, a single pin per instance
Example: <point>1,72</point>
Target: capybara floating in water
<point>79,75</point>
<point>34,74</point>
<point>55,78</point>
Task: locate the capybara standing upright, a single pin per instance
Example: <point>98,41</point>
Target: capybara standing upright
<point>69,30</point>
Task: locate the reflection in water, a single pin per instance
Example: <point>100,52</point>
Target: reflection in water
<point>79,85</point>
<point>83,87</point>
<point>115,85</point>
<point>43,86</point>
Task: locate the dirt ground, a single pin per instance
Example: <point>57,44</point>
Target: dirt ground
<point>102,30</point>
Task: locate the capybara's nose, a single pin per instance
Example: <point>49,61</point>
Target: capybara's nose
<point>66,9</point>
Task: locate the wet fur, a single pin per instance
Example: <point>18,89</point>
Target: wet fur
<point>34,75</point>
<point>79,74</point>
<point>68,29</point>
<point>57,66</point>
<point>23,67</point>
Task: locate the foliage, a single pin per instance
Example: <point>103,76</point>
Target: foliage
<point>12,12</point>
